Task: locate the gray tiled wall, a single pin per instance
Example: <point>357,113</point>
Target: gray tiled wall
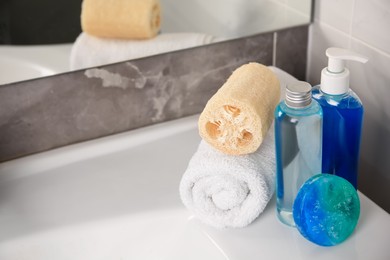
<point>291,50</point>
<point>46,113</point>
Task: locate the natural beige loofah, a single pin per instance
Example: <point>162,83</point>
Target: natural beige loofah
<point>237,118</point>
<point>122,19</point>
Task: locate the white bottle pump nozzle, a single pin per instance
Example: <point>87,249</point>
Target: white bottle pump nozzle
<point>335,77</point>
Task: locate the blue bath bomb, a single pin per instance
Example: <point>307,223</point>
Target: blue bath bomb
<point>326,209</point>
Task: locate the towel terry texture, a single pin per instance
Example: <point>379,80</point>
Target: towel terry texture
<point>90,51</point>
<point>229,191</point>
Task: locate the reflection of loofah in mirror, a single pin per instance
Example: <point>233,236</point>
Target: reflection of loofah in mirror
<point>238,116</point>
<point>124,19</point>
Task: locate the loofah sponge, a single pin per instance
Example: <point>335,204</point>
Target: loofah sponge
<point>121,19</point>
<point>237,118</point>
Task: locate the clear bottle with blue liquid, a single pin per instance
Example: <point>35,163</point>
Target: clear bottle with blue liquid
<point>343,116</point>
<point>298,142</point>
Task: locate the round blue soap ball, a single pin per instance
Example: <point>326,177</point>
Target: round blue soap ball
<point>326,209</point>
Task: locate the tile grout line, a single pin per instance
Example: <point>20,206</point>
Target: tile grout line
<point>275,39</point>
<point>351,24</point>
<point>309,56</point>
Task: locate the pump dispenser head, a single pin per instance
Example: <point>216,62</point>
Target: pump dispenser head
<point>335,77</point>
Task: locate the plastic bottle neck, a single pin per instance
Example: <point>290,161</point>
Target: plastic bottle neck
<point>335,95</point>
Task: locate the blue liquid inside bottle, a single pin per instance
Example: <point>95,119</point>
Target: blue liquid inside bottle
<point>342,126</point>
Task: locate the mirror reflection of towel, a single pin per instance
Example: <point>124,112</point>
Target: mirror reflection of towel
<point>90,51</point>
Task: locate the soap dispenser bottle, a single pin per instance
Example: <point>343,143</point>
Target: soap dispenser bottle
<point>342,116</point>
<point>298,143</point>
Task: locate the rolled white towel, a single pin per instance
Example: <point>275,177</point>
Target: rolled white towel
<point>229,190</point>
<point>90,51</point>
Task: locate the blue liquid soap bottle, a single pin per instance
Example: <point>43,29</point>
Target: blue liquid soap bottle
<point>298,143</point>
<point>343,116</point>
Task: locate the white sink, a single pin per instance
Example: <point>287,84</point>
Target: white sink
<point>19,63</point>
<point>117,198</point>
<point>113,198</point>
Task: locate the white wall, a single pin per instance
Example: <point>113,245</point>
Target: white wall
<point>363,26</point>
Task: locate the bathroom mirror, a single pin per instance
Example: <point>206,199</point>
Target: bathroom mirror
<point>229,19</point>
<point>30,31</point>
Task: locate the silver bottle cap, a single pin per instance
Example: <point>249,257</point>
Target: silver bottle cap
<point>298,94</point>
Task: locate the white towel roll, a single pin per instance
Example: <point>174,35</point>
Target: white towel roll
<point>229,190</point>
<point>90,51</point>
